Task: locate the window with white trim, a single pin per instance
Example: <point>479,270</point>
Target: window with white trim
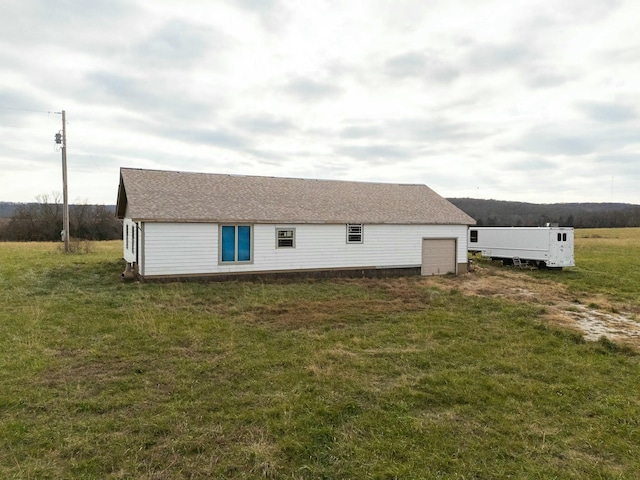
<point>126,237</point>
<point>285,238</point>
<point>473,236</point>
<point>354,233</point>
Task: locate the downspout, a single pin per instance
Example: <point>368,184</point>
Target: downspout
<point>137,268</point>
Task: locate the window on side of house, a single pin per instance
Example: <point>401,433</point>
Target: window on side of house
<point>559,237</point>
<point>126,237</point>
<point>564,237</point>
<point>285,238</point>
<point>473,236</point>
<point>133,238</point>
<point>236,244</point>
<point>354,233</point>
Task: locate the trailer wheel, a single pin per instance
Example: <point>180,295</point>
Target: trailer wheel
<point>542,265</point>
<point>507,261</point>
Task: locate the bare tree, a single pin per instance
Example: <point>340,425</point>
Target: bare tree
<point>42,221</point>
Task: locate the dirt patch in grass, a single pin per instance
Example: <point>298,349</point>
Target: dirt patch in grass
<point>593,316</point>
<point>376,300</point>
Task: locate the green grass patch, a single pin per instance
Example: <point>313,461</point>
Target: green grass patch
<point>607,263</point>
<point>367,378</point>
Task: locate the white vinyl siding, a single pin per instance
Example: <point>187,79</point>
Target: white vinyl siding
<point>129,245</point>
<point>192,248</point>
<point>180,248</point>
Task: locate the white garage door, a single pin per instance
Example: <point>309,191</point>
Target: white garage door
<point>438,256</point>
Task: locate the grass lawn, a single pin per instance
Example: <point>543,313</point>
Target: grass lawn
<point>607,262</point>
<point>335,379</point>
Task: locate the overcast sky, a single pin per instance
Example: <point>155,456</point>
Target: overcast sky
<point>534,101</point>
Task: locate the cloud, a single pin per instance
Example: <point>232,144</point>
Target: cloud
<point>413,130</point>
<point>626,164</point>
<point>424,66</point>
<point>143,93</point>
<point>361,131</point>
<point>76,12</point>
<point>217,137</point>
<point>307,89</point>
<point>191,134</point>
<point>89,162</point>
<point>531,164</point>
<point>444,95</point>
<point>27,159</point>
<point>375,154</point>
<point>84,22</point>
<point>121,86</point>
<point>608,112</point>
<point>592,11</point>
<point>271,13</point>
<point>545,76</point>
<point>625,55</point>
<point>264,124</point>
<point>575,139</point>
<point>178,44</point>
<point>258,5</point>
<point>17,106</point>
<point>489,57</point>
<point>431,129</point>
<point>549,141</point>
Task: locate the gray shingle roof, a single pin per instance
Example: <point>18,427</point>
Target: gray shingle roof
<point>153,195</point>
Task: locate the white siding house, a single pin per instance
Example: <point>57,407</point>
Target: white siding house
<point>179,224</point>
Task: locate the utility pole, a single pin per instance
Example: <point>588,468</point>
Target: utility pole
<point>62,140</point>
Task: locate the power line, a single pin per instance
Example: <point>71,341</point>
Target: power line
<point>27,110</point>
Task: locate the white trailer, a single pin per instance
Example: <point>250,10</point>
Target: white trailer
<point>544,247</point>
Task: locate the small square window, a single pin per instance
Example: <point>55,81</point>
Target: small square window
<point>285,237</point>
<point>354,233</point>
<point>473,236</point>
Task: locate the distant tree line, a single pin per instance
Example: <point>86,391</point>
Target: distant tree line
<point>579,215</point>
<point>42,221</point>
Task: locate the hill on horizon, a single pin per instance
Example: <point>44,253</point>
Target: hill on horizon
<point>521,214</point>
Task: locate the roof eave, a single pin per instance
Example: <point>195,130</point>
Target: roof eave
<point>282,221</point>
